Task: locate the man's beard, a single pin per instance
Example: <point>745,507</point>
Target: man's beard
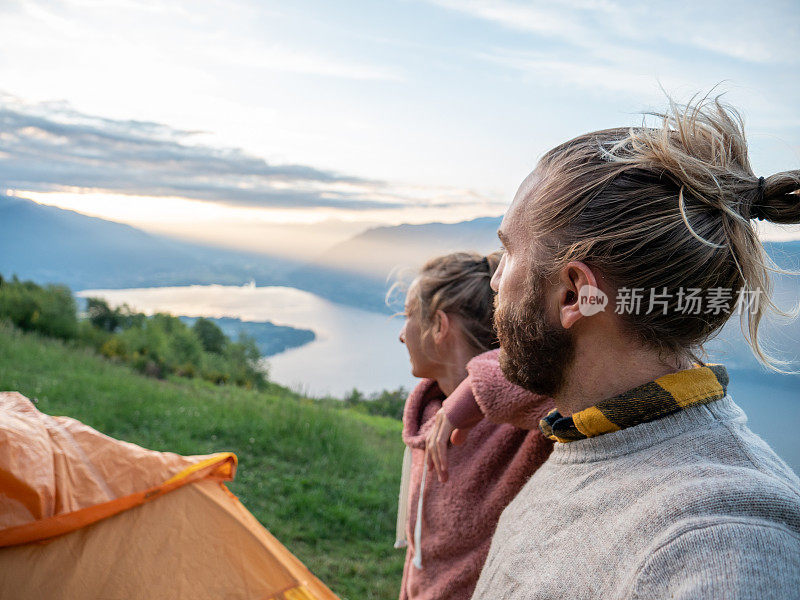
<point>534,354</point>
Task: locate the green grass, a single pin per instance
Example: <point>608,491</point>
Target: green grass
<point>323,480</point>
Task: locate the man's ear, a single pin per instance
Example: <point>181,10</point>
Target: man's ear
<point>441,326</point>
<point>573,276</point>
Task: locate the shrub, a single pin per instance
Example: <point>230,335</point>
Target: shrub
<point>210,335</point>
<point>156,345</point>
<point>183,348</point>
<point>91,336</point>
<point>101,316</point>
<point>387,403</point>
<point>49,310</point>
<point>115,347</point>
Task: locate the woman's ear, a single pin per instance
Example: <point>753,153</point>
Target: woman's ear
<point>441,326</point>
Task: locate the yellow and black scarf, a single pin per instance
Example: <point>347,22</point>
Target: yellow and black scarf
<point>653,400</point>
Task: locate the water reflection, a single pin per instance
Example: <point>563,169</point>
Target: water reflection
<point>354,348</point>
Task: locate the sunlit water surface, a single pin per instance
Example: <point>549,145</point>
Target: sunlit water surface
<point>353,348</point>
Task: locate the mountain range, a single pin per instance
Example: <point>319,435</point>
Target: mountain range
<point>360,270</point>
<point>48,244</point>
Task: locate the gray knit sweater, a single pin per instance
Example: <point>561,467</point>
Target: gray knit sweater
<point>692,505</point>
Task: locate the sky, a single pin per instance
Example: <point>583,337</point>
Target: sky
<point>260,124</point>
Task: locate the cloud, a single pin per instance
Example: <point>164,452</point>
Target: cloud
<point>49,146</point>
<point>741,31</point>
<point>82,21</point>
<point>641,50</point>
<point>596,75</point>
<point>277,58</point>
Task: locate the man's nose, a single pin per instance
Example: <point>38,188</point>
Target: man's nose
<point>494,283</point>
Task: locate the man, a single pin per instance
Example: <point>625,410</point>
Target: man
<point>656,488</point>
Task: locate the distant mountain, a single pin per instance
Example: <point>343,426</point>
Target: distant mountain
<point>377,251</point>
<point>359,271</point>
<point>48,244</point>
<point>52,245</point>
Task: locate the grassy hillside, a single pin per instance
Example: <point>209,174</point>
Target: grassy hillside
<point>323,480</point>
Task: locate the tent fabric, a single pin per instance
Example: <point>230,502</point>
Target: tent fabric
<point>85,515</point>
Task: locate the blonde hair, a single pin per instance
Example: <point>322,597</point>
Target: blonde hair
<point>667,207</point>
<point>458,284</point>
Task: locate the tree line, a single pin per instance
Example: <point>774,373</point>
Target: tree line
<point>155,345</point>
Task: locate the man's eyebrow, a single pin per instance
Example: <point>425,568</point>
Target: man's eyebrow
<point>503,238</point>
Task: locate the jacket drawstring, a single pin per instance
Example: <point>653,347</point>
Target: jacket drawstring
<point>417,562</point>
<point>402,502</point>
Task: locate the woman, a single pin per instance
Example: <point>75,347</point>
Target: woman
<point>448,331</point>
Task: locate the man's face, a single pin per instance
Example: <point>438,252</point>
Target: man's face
<point>535,350</point>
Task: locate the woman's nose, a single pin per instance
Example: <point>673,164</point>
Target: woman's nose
<point>402,335</point>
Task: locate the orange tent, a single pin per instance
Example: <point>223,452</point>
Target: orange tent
<point>83,515</point>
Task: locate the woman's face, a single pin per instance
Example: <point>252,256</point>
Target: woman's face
<point>421,352</point>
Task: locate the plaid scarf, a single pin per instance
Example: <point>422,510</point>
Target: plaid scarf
<point>653,400</point>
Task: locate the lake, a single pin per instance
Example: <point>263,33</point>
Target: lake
<point>353,347</point>
<point>358,348</point>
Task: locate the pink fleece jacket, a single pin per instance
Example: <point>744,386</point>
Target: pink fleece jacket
<point>485,473</point>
